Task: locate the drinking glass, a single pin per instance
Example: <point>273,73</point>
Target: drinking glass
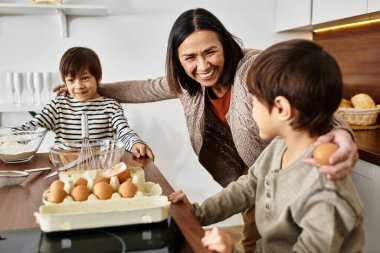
<point>48,83</point>
<point>30,84</point>
<point>10,84</point>
<point>18,79</point>
<point>38,85</point>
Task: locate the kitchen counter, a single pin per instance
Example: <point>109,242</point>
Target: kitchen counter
<point>368,143</point>
<point>18,203</point>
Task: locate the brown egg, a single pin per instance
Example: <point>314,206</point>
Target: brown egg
<point>80,193</point>
<point>57,184</point>
<point>322,153</point>
<point>80,181</point>
<point>123,176</point>
<point>56,195</point>
<point>128,189</point>
<point>102,190</point>
<point>102,179</point>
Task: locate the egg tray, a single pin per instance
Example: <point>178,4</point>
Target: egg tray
<point>147,206</point>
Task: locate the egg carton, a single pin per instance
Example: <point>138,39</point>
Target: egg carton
<point>102,213</point>
<point>147,206</point>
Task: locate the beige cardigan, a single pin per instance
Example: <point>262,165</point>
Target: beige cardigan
<point>243,128</point>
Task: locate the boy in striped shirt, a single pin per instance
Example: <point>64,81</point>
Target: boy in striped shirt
<point>81,71</point>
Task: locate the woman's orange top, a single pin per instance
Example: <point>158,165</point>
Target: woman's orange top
<point>220,106</point>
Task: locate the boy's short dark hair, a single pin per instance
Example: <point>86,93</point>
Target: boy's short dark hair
<point>306,75</point>
<point>77,59</point>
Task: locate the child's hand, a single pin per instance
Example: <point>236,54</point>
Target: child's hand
<point>179,196</point>
<point>140,149</point>
<point>218,240</point>
<point>344,159</point>
<point>60,89</point>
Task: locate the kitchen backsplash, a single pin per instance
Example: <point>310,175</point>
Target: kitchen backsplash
<point>357,51</point>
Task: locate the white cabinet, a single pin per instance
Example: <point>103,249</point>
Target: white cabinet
<point>330,10</point>
<point>304,14</point>
<point>373,5</point>
<point>366,177</point>
<point>48,9</point>
<point>292,14</point>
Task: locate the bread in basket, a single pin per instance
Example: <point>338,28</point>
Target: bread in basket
<point>359,116</point>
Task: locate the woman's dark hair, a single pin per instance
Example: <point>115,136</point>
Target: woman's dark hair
<point>77,59</point>
<point>306,75</point>
<point>187,23</point>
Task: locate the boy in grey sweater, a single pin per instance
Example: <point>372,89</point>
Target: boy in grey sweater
<point>296,87</point>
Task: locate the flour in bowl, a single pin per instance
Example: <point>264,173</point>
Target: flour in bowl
<point>10,151</point>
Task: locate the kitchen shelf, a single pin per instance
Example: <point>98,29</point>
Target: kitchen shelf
<point>61,10</point>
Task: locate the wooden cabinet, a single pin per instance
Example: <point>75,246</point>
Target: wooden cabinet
<point>366,177</point>
<point>292,14</point>
<point>327,10</point>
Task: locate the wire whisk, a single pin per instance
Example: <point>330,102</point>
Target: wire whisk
<point>86,156</point>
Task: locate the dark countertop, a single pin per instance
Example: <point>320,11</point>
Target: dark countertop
<point>368,143</point>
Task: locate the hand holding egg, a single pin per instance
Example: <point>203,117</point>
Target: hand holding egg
<point>322,153</point>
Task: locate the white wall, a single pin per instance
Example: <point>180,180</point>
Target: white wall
<point>131,44</point>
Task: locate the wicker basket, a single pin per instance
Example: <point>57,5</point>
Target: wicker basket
<point>362,117</point>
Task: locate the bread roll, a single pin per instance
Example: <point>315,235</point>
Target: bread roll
<point>345,103</point>
<point>363,101</point>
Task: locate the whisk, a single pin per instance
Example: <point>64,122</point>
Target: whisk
<point>86,156</point>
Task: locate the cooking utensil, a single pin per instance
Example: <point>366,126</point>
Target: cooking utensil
<point>64,167</point>
<point>15,177</point>
<point>86,156</point>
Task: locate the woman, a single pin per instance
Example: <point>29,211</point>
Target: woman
<point>206,69</point>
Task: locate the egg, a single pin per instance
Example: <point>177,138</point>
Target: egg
<point>128,189</point>
<point>80,181</point>
<point>80,193</point>
<point>102,179</point>
<point>56,195</point>
<point>322,153</point>
<point>123,176</point>
<point>102,190</point>
<point>57,185</point>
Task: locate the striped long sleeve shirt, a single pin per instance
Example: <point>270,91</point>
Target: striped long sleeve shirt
<point>106,120</point>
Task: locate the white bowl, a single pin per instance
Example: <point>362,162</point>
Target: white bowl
<point>18,145</point>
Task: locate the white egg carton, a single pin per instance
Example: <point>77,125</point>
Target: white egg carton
<point>102,213</point>
<point>147,206</point>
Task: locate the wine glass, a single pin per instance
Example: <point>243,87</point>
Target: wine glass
<point>10,84</point>
<point>18,79</point>
<point>29,84</point>
<point>38,85</point>
<point>48,83</point>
